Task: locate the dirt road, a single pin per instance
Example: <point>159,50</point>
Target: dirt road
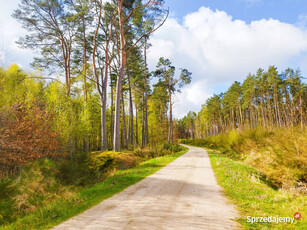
<point>182,195</point>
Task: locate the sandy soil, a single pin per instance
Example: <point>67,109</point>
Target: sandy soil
<point>182,195</point>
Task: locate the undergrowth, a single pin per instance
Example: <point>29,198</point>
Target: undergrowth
<point>44,181</point>
<point>280,155</point>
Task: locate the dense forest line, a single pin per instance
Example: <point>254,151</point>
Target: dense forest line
<point>267,99</point>
<point>99,93</point>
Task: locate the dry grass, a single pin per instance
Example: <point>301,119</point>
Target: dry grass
<point>37,185</point>
<point>279,154</point>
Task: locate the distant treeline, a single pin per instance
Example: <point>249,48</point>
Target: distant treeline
<point>268,99</point>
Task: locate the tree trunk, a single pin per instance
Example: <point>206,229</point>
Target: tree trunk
<point>136,116</point>
<point>125,141</point>
<point>116,141</point>
<point>112,108</point>
<point>131,131</point>
<point>143,120</point>
<point>104,80</point>
<point>262,110</point>
<point>170,130</point>
<point>86,138</point>
<point>136,125</point>
<point>301,113</point>
<point>145,94</point>
<point>269,106</point>
<point>84,61</point>
<point>240,114</point>
<point>233,118</point>
<point>286,111</point>
<point>98,86</point>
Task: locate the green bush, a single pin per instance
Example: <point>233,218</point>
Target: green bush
<point>102,161</point>
<point>172,148</point>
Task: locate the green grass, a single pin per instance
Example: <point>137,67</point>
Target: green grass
<point>62,209</point>
<point>254,196</point>
<point>280,154</point>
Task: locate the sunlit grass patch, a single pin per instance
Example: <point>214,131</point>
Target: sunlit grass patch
<point>254,195</point>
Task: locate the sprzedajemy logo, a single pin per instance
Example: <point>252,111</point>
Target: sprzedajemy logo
<point>272,219</point>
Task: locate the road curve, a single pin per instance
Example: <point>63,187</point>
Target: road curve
<point>182,195</point>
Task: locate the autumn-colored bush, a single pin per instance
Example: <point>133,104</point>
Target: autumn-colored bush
<point>26,135</point>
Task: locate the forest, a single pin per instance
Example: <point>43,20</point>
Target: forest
<point>261,123</point>
<point>267,99</point>
<point>99,93</point>
<point>90,108</point>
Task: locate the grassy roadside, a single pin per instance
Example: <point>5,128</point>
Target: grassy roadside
<point>62,209</point>
<point>254,196</point>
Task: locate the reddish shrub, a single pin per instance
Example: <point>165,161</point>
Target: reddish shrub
<point>26,135</point>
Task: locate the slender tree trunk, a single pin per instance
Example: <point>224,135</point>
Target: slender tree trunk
<point>136,125</point>
<point>131,125</point>
<point>233,118</point>
<point>98,86</point>
<point>278,108</point>
<point>170,130</point>
<point>84,61</point>
<point>125,140</point>
<point>262,109</point>
<point>145,94</point>
<point>301,113</point>
<point>65,59</point>
<point>136,116</point>
<point>251,116</point>
<point>116,141</point>
<point>143,120</point>
<point>112,108</point>
<point>269,109</point>
<point>104,137</point>
<point>292,111</point>
<point>86,138</point>
<point>286,110</point>
<point>221,121</point>
<point>240,115</point>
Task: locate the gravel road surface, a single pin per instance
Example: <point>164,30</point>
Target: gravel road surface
<point>182,195</point>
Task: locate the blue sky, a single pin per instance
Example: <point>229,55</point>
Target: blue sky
<point>219,41</point>
<point>247,10</point>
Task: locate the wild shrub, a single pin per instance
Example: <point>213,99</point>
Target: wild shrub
<point>102,161</point>
<point>279,154</point>
<point>26,135</point>
<point>171,148</point>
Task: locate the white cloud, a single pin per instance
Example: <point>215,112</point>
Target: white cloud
<point>191,97</point>
<point>219,50</point>
<point>11,31</point>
